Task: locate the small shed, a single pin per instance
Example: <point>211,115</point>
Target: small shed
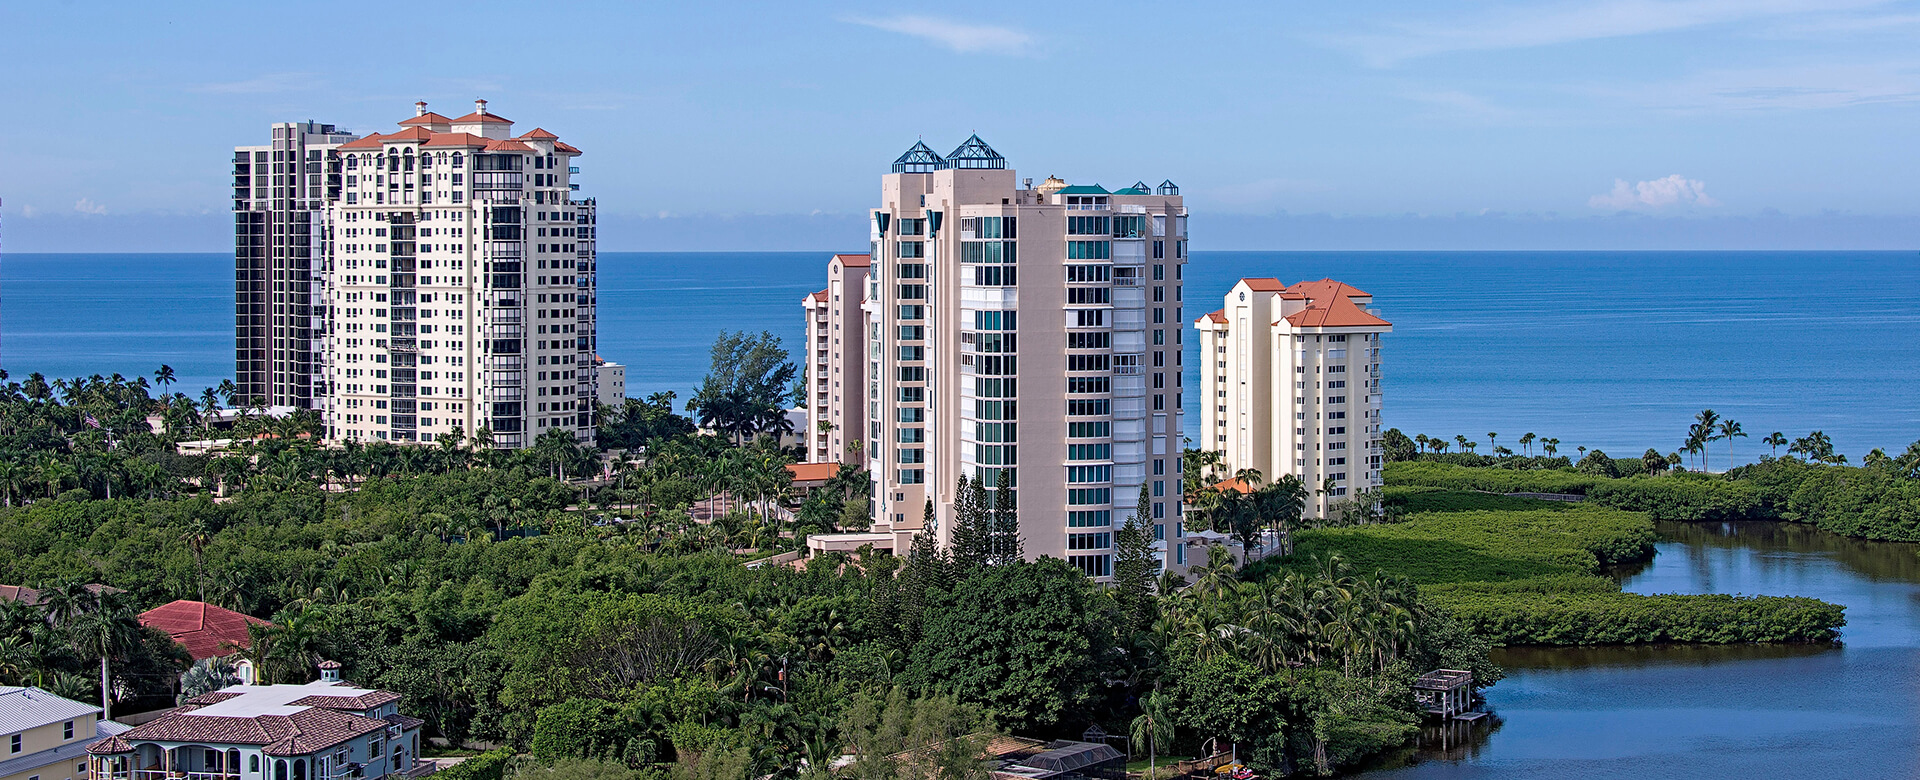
<point>1447,693</point>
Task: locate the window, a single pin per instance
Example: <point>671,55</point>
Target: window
<point>910,249</point>
<point>15,739</point>
<point>1084,496</point>
<point>913,456</point>
<point>912,435</point>
<point>1089,273</point>
<point>913,312</point>
<point>994,275</point>
<point>1093,541</point>
<point>912,353</point>
<point>1089,474</point>
<point>1088,295</point>
<point>1089,250</point>
<point>1089,384</point>
<point>1089,430</point>
<point>994,320</point>
<point>911,270</point>
<point>1092,565</point>
<point>912,414</point>
<point>1092,407</point>
<point>989,252</point>
<point>913,227</point>
<point>1086,226</point>
<point>1088,362</point>
<point>1094,318</point>
<point>1096,518</point>
<point>1100,340</point>
<point>913,292</point>
<point>1089,452</point>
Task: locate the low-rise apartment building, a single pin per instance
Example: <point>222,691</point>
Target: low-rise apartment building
<point>1290,384</point>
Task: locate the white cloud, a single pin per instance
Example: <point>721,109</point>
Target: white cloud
<point>260,85</point>
<point>29,211</point>
<point>1529,26</point>
<point>1656,193</point>
<point>87,206</point>
<point>958,36</point>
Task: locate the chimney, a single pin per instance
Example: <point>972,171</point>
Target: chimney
<point>330,671</point>
<point>420,108</point>
<point>480,107</point>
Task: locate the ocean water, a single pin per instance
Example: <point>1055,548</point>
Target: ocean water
<point>1609,350</point>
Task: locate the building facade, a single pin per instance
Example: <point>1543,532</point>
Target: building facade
<point>45,737</point>
<point>280,194</point>
<point>460,285</point>
<point>837,364</point>
<point>610,382</point>
<point>323,730</point>
<point>1290,384</point>
<point>1030,332</point>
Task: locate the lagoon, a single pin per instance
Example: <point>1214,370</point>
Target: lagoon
<point>1846,710</point>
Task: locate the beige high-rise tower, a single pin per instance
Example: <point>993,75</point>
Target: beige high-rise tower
<point>1290,384</point>
<point>1031,331</point>
<point>460,284</point>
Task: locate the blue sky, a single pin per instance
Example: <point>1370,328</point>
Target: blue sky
<point>1631,123</point>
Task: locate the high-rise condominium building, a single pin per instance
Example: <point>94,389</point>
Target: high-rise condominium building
<point>1010,329</point>
<point>837,363</point>
<point>1290,384</point>
<point>460,284</point>
<point>280,194</point>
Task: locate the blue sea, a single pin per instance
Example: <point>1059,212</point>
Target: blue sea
<point>1608,350</point>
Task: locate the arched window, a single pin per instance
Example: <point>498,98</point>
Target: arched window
<point>353,161</point>
<point>456,159</point>
<point>253,764</point>
<point>280,769</point>
<point>299,769</point>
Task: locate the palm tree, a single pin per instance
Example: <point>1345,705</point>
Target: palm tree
<point>1705,422</point>
<point>1421,440</point>
<point>1730,430</point>
<point>1251,477</point>
<point>1550,446</point>
<point>1491,436</point>
<point>1461,440</point>
<point>163,377</point>
<point>110,628</point>
<point>1774,442</point>
<point>1153,725</point>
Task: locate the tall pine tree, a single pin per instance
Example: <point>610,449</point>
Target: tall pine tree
<point>972,536</point>
<point>1133,564</point>
<point>1007,545</point>
<point>924,573</point>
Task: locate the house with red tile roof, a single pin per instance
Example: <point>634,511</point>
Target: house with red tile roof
<point>1290,384</point>
<point>205,630</point>
<point>323,730</point>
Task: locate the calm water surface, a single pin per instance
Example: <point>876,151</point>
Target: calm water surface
<point>1851,710</point>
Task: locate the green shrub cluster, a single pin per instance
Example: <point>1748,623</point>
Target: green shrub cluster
<point>1452,477</point>
<point>491,765</point>
<point>1592,618</point>
<point>1870,502</point>
<point>1519,571</point>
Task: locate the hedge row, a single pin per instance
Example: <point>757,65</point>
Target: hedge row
<point>1628,618</point>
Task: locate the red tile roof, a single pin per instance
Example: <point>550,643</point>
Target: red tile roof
<point>853,260</point>
<point>369,142</point>
<point>302,733</point>
<point>820,296</point>
<point>813,472</point>
<point>1330,305</point>
<point>365,701</point>
<point>508,145</point>
<point>1219,316</point>
<point>456,139</point>
<point>206,631</point>
<point>565,148</point>
<point>538,134</point>
<point>1263,285</point>
<point>488,118</point>
<point>1235,484</point>
<point>428,118</point>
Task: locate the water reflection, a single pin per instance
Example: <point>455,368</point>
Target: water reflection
<point>1743,711</point>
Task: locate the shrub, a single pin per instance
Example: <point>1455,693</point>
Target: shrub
<point>1453,477</point>
<point>1622,618</point>
<point>491,765</point>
